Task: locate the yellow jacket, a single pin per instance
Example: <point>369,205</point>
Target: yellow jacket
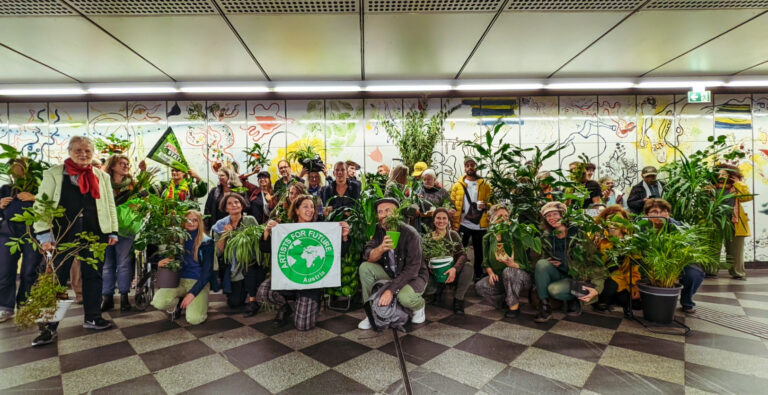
<point>457,197</point>
<point>742,227</point>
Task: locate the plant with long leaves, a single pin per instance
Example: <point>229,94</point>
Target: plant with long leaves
<point>243,245</point>
<point>25,169</point>
<point>163,226</point>
<point>255,156</point>
<point>585,262</point>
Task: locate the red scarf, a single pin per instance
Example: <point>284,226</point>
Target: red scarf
<point>86,180</point>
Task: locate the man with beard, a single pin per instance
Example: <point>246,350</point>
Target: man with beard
<point>470,197</point>
<point>286,178</point>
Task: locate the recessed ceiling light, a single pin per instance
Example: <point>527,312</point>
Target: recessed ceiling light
<point>224,89</point>
<point>41,91</point>
<point>591,85</point>
<point>408,88</point>
<point>678,84</point>
<point>316,88</point>
<point>498,87</point>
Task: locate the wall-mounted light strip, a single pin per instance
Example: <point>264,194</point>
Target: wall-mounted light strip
<point>130,90</point>
<point>315,88</point>
<point>498,87</point>
<point>224,89</point>
<point>41,91</point>
<point>416,87</point>
<point>684,84</point>
<point>590,85</point>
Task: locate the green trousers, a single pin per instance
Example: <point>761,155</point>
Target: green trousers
<point>168,298</point>
<point>551,283</point>
<point>372,272</point>
<point>734,250</point>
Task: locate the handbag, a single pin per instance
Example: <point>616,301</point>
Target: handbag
<point>474,214</point>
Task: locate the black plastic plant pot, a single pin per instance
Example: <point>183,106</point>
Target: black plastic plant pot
<point>577,288</point>
<point>315,164</point>
<point>167,278</point>
<point>659,303</point>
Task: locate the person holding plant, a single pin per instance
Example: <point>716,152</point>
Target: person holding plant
<point>397,179</point>
<point>399,263</point>
<point>196,277</point>
<point>341,191</point>
<point>506,278</point>
<point>731,181</point>
<point>610,195</point>
<point>184,186</point>
<point>302,210</point>
<point>286,178</point>
<point>434,194</point>
<point>582,173</point>
<point>228,182</point>
<point>262,200</point>
<point>551,271</point>
<point>658,212</point>
<point>86,195</point>
<point>118,261</point>
<point>470,196</point>
<point>239,279</point>
<point>460,273</point>
<point>13,201</point>
<point>649,188</point>
<point>280,212</point>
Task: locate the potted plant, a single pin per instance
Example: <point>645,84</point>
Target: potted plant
<point>243,245</point>
<point>439,255</point>
<point>392,225</point>
<point>112,145</point>
<point>47,301</point>
<point>585,263</point>
<point>307,157</point>
<point>523,238</point>
<point>255,157</point>
<point>25,171</point>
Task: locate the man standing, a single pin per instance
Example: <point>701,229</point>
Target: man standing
<point>281,185</point>
<point>649,188</point>
<point>470,197</point>
<point>403,265</point>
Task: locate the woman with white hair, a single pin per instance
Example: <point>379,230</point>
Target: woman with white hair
<point>436,195</point>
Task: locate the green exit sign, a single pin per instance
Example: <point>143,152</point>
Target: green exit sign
<point>700,97</point>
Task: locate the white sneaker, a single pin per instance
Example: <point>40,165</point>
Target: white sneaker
<point>5,315</point>
<point>419,316</point>
<point>364,324</point>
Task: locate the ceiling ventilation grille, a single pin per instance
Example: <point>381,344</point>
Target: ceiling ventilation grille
<point>573,5</point>
<point>287,6</point>
<point>704,4</point>
<point>432,6</point>
<point>144,7</point>
<point>33,7</point>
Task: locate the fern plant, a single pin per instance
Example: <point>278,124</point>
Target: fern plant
<point>243,245</point>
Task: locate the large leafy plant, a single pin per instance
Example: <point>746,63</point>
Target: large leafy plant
<point>41,303</point>
<point>438,248</point>
<point>585,261</point>
<point>163,226</point>
<point>243,245</point>
<point>112,145</point>
<point>417,134</point>
<point>255,156</point>
<point>523,238</point>
<point>31,166</point>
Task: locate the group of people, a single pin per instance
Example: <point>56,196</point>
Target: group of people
<point>461,216</point>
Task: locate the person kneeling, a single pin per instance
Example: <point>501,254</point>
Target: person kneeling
<point>403,265</point>
<point>196,274</point>
<point>506,278</point>
<point>462,271</point>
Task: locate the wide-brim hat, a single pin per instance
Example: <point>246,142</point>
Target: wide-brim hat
<point>553,206</point>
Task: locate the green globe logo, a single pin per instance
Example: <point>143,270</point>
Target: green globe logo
<point>305,256</point>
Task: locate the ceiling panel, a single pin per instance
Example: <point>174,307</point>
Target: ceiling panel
<point>410,46</point>
<point>761,69</point>
<point>527,44</point>
<point>743,47</point>
<point>190,47</point>
<point>15,68</point>
<point>304,47</point>
<point>76,47</point>
<point>650,38</point>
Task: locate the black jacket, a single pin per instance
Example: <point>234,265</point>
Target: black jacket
<point>410,268</point>
<point>636,195</point>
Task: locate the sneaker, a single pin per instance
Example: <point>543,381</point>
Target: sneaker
<point>364,324</point>
<point>689,309</point>
<point>97,324</point>
<point>574,308</point>
<point>419,316</point>
<point>47,336</point>
<point>5,315</point>
<point>545,312</point>
<point>458,307</point>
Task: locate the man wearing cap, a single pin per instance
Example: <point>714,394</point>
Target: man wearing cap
<point>647,189</point>
<point>403,265</point>
<point>470,196</point>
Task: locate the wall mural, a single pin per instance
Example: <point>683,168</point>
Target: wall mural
<point>621,134</point>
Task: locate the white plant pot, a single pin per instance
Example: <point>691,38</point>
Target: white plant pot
<point>61,309</point>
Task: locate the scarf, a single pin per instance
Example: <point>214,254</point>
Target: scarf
<point>648,189</point>
<point>178,193</point>
<point>126,184</point>
<point>86,179</point>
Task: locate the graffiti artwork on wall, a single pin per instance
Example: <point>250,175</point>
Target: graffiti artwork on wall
<point>621,167</point>
<point>29,130</point>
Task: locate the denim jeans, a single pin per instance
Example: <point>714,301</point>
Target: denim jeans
<point>118,261</point>
<point>30,263</point>
<point>692,277</point>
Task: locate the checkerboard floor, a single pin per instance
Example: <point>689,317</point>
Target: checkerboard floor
<point>481,352</point>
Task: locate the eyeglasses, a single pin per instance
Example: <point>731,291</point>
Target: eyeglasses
<point>193,220</point>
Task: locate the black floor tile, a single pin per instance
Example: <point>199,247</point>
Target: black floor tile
<point>721,381</point>
<point>603,321</point>
<point>329,382</point>
<point>151,328</point>
<point>527,320</point>
<point>417,350</point>
<point>426,382</point>
<point>115,313</point>
<point>513,380</point>
<point>213,327</point>
<point>13,331</point>
<point>175,355</point>
<point>335,351</point>
<point>25,355</point>
<point>469,322</point>
<point>491,348</point>
<point>95,356</point>
<point>140,385</point>
<point>268,327</point>
<point>651,345</point>
<point>572,347</point>
<point>252,354</point>
<point>728,343</point>
<point>49,386</point>
<point>238,383</point>
<point>606,380</point>
<point>340,324</point>
<point>74,331</point>
<point>717,299</point>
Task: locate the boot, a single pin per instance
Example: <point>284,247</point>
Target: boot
<point>252,308</point>
<point>458,307</point>
<point>283,315</point>
<point>125,304</point>
<point>107,302</point>
<point>574,308</point>
<point>545,312</point>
